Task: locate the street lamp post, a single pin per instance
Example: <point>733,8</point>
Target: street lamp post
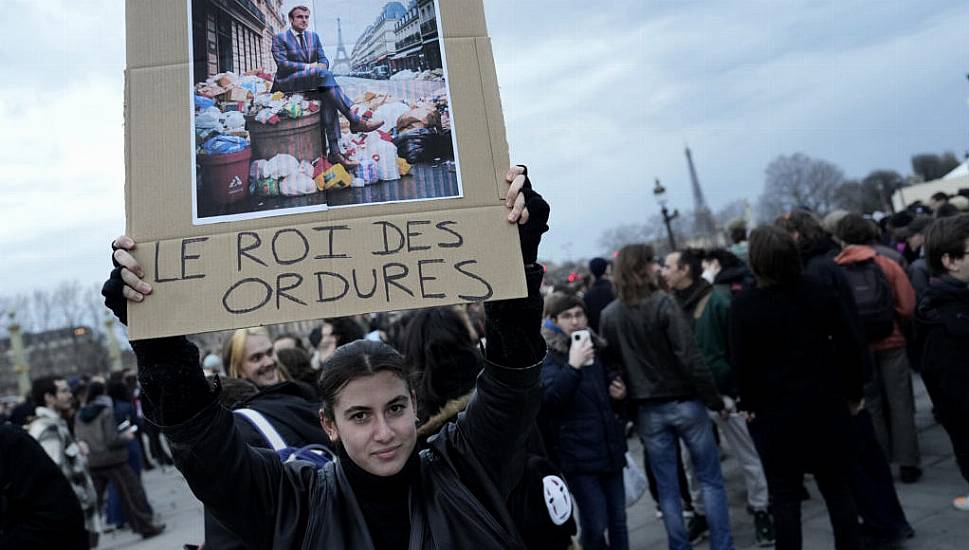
<point>660,192</point>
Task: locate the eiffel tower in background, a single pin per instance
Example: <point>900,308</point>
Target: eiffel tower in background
<point>703,223</point>
<point>341,62</point>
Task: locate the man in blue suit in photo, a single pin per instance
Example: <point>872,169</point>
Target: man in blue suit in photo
<point>302,66</point>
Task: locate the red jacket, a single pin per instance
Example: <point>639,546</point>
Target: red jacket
<point>901,289</point>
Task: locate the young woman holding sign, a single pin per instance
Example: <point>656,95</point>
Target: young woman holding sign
<point>380,493</point>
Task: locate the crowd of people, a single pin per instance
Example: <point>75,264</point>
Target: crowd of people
<point>506,425</point>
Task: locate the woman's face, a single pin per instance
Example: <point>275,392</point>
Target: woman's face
<point>375,419</point>
<point>258,362</point>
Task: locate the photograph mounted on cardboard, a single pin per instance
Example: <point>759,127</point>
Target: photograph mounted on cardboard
<point>308,105</point>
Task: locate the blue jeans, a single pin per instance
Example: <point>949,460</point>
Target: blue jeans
<point>661,426</point>
<point>601,499</point>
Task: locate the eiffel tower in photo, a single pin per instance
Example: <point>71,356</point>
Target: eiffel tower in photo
<point>703,223</point>
<point>341,62</point>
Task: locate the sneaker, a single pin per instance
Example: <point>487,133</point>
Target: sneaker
<point>910,474</point>
<point>763,529</point>
<point>961,503</point>
<point>697,528</point>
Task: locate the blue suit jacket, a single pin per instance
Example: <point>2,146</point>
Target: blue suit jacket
<point>291,58</point>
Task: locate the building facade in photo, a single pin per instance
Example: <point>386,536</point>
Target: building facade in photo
<point>377,44</point>
<point>238,35</point>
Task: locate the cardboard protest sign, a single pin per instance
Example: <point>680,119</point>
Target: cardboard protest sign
<point>291,160</point>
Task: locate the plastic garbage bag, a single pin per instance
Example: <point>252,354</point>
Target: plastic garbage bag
<point>234,120</point>
<point>206,120</point>
<point>223,145</point>
<point>293,109</point>
<point>417,144</point>
<point>384,156</point>
<point>367,171</point>
<point>202,102</point>
<point>281,166</point>
<point>390,113</point>
<point>297,184</point>
<point>424,116</point>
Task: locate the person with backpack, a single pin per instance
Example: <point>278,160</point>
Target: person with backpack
<point>872,485</point>
<point>380,493</point>
<point>883,297</point>
<point>589,440</point>
<point>942,328</point>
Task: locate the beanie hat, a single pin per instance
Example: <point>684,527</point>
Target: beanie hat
<point>559,302</point>
<point>597,266</point>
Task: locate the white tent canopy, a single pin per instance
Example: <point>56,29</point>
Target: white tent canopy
<point>950,184</point>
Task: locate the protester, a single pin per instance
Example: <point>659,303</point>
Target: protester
<point>872,485</point>
<point>331,334</point>
<point>39,508</point>
<point>284,398</point>
<point>600,294</point>
<point>51,430</point>
<point>884,297</point>
<point>918,270</point>
<point>738,238</point>
<point>123,412</point>
<point>96,426</point>
<point>667,378</point>
<point>287,341</point>
<point>798,363</point>
<point>721,267</point>
<point>943,331</point>
<point>449,496</point>
<point>590,444</point>
<point>708,308</point>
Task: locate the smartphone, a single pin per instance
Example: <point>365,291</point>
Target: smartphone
<point>580,336</point>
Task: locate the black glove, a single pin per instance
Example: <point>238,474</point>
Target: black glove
<point>113,292</point>
<point>530,233</point>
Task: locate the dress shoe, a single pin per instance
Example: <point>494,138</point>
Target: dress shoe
<point>362,126</point>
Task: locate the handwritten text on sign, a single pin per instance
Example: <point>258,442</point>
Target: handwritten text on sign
<point>289,251</point>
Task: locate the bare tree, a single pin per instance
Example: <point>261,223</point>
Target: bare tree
<point>799,181</point>
<point>617,237</point>
<point>929,166</point>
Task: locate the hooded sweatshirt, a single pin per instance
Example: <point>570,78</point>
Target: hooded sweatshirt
<point>902,290</point>
<point>95,424</point>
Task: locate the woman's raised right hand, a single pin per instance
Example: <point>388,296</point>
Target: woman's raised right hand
<point>135,289</point>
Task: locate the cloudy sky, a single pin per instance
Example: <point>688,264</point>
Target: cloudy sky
<point>599,98</point>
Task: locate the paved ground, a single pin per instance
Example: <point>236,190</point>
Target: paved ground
<point>938,526</point>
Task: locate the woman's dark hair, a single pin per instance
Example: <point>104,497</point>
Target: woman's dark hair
<point>118,391</point>
<point>297,363</point>
<point>633,274</point>
<point>345,330</point>
<point>946,236</point>
<point>807,226</point>
<point>356,360</point>
<point>443,358</point>
<point>724,257</point>
<point>289,335</point>
<point>855,229</point>
<point>94,389</point>
<point>773,256</point>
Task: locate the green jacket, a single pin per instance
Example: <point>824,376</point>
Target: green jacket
<point>710,319</point>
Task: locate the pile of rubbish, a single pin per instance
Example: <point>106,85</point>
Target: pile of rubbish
<point>268,108</point>
<point>407,74</point>
<point>421,130</point>
<point>223,102</point>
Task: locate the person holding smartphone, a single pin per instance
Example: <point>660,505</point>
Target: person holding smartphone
<point>582,431</point>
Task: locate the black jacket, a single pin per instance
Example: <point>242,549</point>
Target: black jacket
<point>298,422</point>
<point>596,299</point>
<point>798,363</point>
<point>38,508</point>
<point>587,436</point>
<point>457,495</point>
<point>653,340</point>
<point>942,333</point>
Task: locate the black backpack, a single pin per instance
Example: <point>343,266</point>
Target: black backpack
<point>873,298</point>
